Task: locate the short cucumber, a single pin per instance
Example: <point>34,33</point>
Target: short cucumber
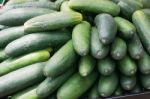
<point>61,61</point>
<point>3,55</point>
<point>145,81</point>
<point>96,6</point>
<point>49,85</point>
<point>23,61</point>
<point>21,78</point>
<point>119,91</point>
<point>106,66</point>
<point>37,41</point>
<point>10,34</point>
<point>118,49</point>
<point>70,89</point>
<point>126,28</point>
<point>127,66</point>
<point>105,86</point>
<point>52,21</point>
<point>81,38</point>
<point>98,50</point>
<point>86,65</point>
<point>93,94</point>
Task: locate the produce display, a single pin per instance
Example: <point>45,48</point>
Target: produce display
<point>74,49</point>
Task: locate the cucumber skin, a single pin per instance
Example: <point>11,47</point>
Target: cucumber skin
<point>28,76</point>
<point>44,39</point>
<point>81,38</point>
<point>45,22</point>
<point>3,55</point>
<point>93,94</point>
<point>145,81</point>
<point>19,1</point>
<point>98,50</point>
<point>57,64</point>
<point>65,7</point>
<point>119,91</point>
<point>23,61</point>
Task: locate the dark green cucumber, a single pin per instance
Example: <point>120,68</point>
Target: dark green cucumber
<point>23,61</point>
<point>29,93</point>
<point>128,7</point>
<point>93,94</point>
<point>96,6</point>
<point>20,79</point>
<point>128,82</point>
<point>127,66</point>
<point>86,65</point>
<point>107,27</point>
<point>65,7</point>
<point>144,64</point>
<point>135,47</point>
<point>142,24</point>
<point>118,49</point>
<point>137,89</point>
<point>61,61</point>
<point>119,91</point>
<point>19,16</point>
<point>81,38</point>
<point>52,21</point>
<point>37,41</point>
<point>106,66</point>
<point>98,50</point>
<point>11,2</point>
<point>107,85</point>
<point>10,34</point>
<point>49,85</point>
<point>3,55</point>
<point>126,28</point>
<point>145,81</point>
<point>70,89</point>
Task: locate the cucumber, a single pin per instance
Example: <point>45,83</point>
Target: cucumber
<point>119,91</point>
<point>19,16</point>
<point>37,41</point>
<point>126,28</point>
<point>10,34</point>
<point>86,65</point>
<point>118,49</point>
<point>128,82</point>
<point>127,66</point>
<point>81,38</point>
<point>11,2</point>
<point>49,85</point>
<point>52,21</point>
<point>145,3</point>
<point>107,27</point>
<point>144,64</point>
<point>70,89</point>
<point>98,50</point>
<point>93,94</point>
<point>23,61</point>
<point>3,55</point>
<point>61,61</point>
<point>96,6</point>
<point>137,89</point>
<point>105,87</point>
<point>29,93</point>
<point>58,3</point>
<point>146,11</point>
<point>2,27</point>
<point>21,78</point>
<point>142,24</point>
<point>116,1</point>
<point>106,66</point>
<point>135,47</point>
<point>65,7</point>
<point>145,81</point>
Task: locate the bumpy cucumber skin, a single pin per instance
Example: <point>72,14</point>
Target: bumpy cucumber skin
<point>145,81</point>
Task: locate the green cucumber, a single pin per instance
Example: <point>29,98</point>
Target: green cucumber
<point>98,50</point>
<point>37,41</point>
<point>21,78</point>
<point>127,66</point>
<point>81,38</point>
<point>128,82</point>
<point>145,81</point>
<point>107,27</point>
<point>70,89</point>
<point>49,85</point>
<point>52,21</point>
<point>61,61</point>
<point>23,61</point>
<point>144,64</point>
<point>11,2</point>
<point>106,66</point>
<point>86,65</point>
<point>137,89</point>
<point>93,94</point>
<point>142,24</point>
<point>96,6</point>
<point>58,3</point>
<point>107,85</point>
<point>118,49</point>
<point>3,55</point>
<point>10,34</point>
<point>19,16</point>
<point>119,91</point>
<point>126,28</point>
<point>135,47</point>
<point>65,7</point>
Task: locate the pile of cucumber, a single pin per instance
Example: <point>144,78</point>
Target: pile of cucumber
<point>74,49</point>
